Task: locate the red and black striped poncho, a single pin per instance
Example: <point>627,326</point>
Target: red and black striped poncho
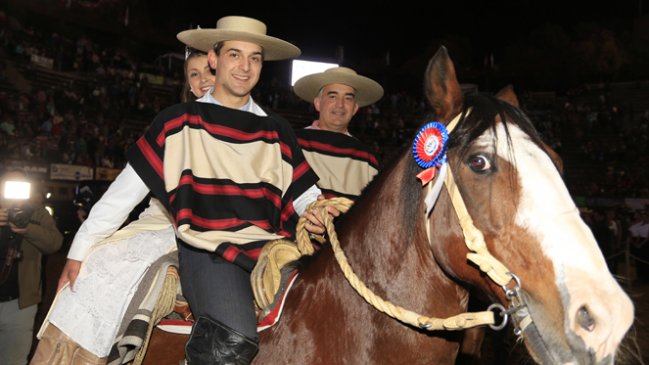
<point>227,177</point>
<point>344,164</point>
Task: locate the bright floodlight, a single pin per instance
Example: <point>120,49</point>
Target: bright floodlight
<point>17,190</point>
<point>303,68</point>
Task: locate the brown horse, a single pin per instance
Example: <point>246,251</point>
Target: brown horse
<point>515,196</point>
<point>562,300</point>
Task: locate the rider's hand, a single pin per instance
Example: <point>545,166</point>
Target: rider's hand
<point>315,222</point>
<point>69,274</point>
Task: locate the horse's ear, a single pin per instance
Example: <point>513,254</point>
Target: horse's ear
<point>507,94</point>
<point>441,86</point>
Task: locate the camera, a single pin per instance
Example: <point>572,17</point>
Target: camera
<point>16,191</point>
<point>20,216</point>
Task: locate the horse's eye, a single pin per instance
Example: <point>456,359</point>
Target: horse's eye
<point>479,163</point>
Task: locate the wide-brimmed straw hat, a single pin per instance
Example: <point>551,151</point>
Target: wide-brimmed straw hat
<point>367,90</point>
<point>239,28</point>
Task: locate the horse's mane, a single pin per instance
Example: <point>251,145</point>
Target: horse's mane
<point>485,108</point>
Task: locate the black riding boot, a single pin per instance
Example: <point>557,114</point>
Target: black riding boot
<point>213,343</point>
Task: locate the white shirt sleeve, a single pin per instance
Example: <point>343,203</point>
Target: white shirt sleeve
<point>306,198</point>
<point>109,213</point>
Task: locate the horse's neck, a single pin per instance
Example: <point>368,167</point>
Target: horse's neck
<point>384,232</point>
<point>376,225</point>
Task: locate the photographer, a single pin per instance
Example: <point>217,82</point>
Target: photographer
<point>27,231</point>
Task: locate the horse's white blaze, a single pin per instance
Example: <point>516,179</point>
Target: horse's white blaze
<point>547,211</point>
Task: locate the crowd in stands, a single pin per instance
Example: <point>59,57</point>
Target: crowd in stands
<point>79,120</point>
<point>609,142</point>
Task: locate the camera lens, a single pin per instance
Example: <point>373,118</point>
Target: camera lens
<point>19,217</point>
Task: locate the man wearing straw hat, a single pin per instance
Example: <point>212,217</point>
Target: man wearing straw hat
<point>344,164</point>
<point>232,177</point>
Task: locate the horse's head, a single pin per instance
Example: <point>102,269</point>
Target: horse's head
<point>573,311</point>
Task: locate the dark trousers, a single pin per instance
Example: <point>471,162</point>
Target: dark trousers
<point>217,289</point>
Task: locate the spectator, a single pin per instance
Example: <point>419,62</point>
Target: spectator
<point>27,232</point>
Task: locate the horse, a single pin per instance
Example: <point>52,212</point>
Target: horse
<point>517,239</point>
<point>515,196</point>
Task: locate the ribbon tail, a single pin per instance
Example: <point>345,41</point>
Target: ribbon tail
<point>427,175</point>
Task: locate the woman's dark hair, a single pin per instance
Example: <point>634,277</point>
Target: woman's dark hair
<point>187,95</point>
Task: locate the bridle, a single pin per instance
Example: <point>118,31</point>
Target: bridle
<point>517,310</point>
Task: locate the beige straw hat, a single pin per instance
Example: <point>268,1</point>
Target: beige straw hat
<point>368,91</point>
<point>239,28</point>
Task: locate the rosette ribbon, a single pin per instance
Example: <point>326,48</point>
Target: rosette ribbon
<point>429,149</point>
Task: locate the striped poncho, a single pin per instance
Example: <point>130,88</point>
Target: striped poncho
<point>343,163</point>
<point>227,177</point>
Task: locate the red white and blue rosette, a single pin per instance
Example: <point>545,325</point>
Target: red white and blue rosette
<point>429,147</point>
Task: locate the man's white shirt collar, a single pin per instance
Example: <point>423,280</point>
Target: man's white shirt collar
<point>250,106</point>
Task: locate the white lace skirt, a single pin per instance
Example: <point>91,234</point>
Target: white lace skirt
<point>92,314</point>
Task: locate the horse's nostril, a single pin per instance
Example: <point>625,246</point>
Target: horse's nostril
<point>585,320</point>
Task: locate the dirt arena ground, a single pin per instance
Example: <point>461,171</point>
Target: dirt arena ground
<point>638,339</point>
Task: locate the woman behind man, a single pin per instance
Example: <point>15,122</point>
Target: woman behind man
<point>85,318</point>
<point>199,77</point>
